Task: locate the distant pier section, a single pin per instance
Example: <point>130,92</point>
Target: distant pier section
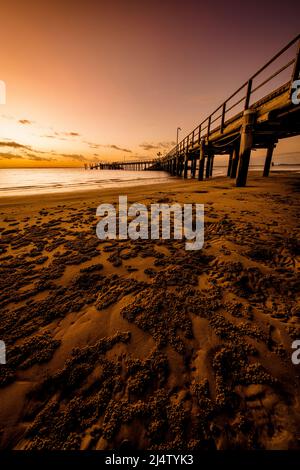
<point>136,165</point>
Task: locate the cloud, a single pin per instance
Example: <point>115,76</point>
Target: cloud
<point>61,135</point>
<point>158,146</point>
<point>167,145</point>
<point>148,147</point>
<point>72,134</point>
<point>115,147</point>
<point>14,145</point>
<point>9,156</point>
<point>75,156</point>
<point>28,152</point>
<point>68,134</point>
<point>28,156</point>
<point>93,145</point>
<point>24,148</point>
<point>25,121</point>
<point>36,158</point>
<point>8,117</point>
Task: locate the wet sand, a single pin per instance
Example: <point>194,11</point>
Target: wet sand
<point>145,344</point>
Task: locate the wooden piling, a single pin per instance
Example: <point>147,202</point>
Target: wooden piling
<point>179,167</point>
<point>174,167</point>
<point>201,161</point>
<point>211,164</point>
<point>185,169</point>
<point>208,163</point>
<point>235,161</point>
<point>268,159</point>
<point>245,146</point>
<point>230,162</point>
<point>193,166</point>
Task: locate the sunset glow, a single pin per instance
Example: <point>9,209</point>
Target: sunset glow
<point>113,80</point>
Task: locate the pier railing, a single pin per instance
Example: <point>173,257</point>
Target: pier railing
<point>242,98</point>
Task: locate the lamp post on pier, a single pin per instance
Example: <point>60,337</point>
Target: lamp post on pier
<point>177,136</point>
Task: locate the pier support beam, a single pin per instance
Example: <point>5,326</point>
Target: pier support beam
<point>230,162</point>
<point>178,166</point>
<point>201,161</point>
<point>268,159</point>
<point>208,164</point>
<point>211,164</point>
<point>193,167</point>
<point>186,162</point>
<point>174,167</point>
<point>235,161</point>
<point>245,147</point>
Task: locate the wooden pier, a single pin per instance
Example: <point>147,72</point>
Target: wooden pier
<point>133,165</point>
<point>256,116</point>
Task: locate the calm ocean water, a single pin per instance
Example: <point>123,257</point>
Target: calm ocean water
<point>49,180</point>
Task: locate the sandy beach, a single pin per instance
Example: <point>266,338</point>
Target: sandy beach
<point>142,344</point>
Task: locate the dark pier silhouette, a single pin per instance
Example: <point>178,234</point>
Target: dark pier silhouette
<point>137,165</point>
<point>256,116</point>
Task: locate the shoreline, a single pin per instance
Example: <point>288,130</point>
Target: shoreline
<point>60,193</point>
<point>149,187</point>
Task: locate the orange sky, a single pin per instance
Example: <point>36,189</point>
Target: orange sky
<point>96,80</point>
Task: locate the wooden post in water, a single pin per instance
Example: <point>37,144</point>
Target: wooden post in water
<point>208,163</point>
<point>201,161</point>
<point>207,169</point>
<point>177,166</point>
<point>193,166</point>
<point>186,162</point>
<point>245,146</point>
<point>230,162</point>
<point>211,164</point>
<point>268,159</point>
<point>235,161</point>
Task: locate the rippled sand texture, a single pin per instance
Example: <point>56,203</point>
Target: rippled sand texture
<point>144,344</point>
